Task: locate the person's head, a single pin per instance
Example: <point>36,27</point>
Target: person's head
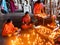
<point>27,14</point>
<point>26,1</point>
<point>38,1</point>
<point>9,21</point>
<point>54,17</point>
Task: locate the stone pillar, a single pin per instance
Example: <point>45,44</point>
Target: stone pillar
<point>50,8</point>
<point>45,2</point>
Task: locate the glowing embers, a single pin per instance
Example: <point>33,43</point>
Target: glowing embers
<point>33,37</point>
<point>44,30</point>
<point>30,38</point>
<point>14,40</point>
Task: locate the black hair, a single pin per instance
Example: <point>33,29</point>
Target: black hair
<point>38,1</point>
<point>8,20</point>
<point>27,13</point>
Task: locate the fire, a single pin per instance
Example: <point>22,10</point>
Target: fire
<point>40,36</point>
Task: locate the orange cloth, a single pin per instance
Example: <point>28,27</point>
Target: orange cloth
<point>52,25</point>
<point>26,19</point>
<point>37,8</point>
<point>8,29</point>
<point>25,26</point>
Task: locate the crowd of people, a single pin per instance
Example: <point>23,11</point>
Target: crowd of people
<point>7,6</point>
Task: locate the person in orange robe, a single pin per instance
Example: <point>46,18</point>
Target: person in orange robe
<point>8,28</point>
<point>39,13</point>
<point>26,21</point>
<point>38,8</point>
<point>53,23</point>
